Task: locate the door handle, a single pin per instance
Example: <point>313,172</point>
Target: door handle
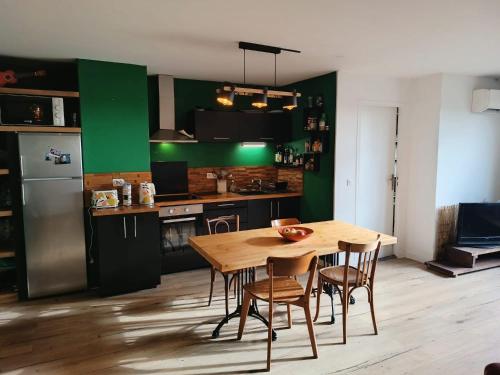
<point>278,209</point>
<point>124,228</point>
<point>267,138</point>
<point>221,138</point>
<point>135,226</point>
<point>225,205</point>
<point>271,209</point>
<point>22,195</point>
<point>21,165</point>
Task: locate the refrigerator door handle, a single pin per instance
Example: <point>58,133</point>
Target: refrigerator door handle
<point>22,194</point>
<point>21,165</point>
<point>124,228</point>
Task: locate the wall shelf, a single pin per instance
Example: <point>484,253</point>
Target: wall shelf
<point>5,213</point>
<point>39,129</point>
<point>4,253</point>
<point>18,91</point>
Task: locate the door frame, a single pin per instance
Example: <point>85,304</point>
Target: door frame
<point>375,103</point>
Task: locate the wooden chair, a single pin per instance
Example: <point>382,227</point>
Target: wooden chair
<point>349,278</point>
<point>282,287</point>
<point>222,224</point>
<point>282,222</point>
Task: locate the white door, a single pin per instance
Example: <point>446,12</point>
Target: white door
<point>376,168</point>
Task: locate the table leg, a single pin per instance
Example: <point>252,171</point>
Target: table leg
<point>244,276</point>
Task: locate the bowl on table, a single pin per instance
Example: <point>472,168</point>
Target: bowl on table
<point>294,233</point>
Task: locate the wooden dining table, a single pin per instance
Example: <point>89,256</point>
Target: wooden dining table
<point>241,252</point>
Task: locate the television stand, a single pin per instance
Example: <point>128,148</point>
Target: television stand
<point>460,260</point>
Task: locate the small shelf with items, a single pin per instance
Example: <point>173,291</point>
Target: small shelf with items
<point>288,157</point>
<point>312,161</point>
<point>39,129</point>
<point>316,126</point>
<point>36,92</point>
<point>7,253</point>
<point>5,213</point>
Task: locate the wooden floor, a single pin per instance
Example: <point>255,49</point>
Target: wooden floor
<point>427,325</point>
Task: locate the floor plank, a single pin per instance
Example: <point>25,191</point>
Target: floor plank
<point>428,324</point>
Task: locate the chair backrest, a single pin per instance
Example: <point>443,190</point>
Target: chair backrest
<point>367,260</point>
<point>223,224</point>
<point>282,222</point>
<point>293,266</point>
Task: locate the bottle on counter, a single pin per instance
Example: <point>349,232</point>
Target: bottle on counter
<point>127,194</point>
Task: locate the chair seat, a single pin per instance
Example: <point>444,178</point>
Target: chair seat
<point>336,274</point>
<point>284,288</point>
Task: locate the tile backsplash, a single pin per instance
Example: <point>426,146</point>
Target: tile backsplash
<point>198,181</point>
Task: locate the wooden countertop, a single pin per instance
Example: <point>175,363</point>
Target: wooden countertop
<point>251,248</point>
<point>124,210</point>
<point>225,197</point>
<point>211,198</point>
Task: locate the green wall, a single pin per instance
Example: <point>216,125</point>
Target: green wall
<point>114,116</point>
<point>317,201</point>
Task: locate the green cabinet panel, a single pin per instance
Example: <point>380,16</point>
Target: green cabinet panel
<point>114,115</point>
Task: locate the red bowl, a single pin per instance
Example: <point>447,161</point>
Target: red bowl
<point>300,233</point>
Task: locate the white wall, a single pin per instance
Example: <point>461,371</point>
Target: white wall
<point>469,144</point>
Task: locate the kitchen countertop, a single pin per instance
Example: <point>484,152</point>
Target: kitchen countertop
<point>124,210</point>
<point>204,198</point>
<point>226,197</point>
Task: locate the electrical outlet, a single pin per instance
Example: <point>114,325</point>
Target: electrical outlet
<point>117,182</point>
<point>211,176</point>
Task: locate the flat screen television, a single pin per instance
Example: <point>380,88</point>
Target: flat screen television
<point>478,224</point>
<point>170,177</point>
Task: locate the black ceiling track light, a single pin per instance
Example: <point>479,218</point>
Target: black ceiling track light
<point>226,94</point>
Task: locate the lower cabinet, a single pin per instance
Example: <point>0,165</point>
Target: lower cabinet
<point>262,211</point>
<point>128,252</point>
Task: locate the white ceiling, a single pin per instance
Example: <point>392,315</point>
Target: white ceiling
<point>198,38</point>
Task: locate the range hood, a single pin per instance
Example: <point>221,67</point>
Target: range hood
<point>166,115</point>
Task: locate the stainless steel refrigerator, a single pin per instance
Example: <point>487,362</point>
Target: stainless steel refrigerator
<point>52,195</point>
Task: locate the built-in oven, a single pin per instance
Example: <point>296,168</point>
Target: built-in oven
<point>178,223</point>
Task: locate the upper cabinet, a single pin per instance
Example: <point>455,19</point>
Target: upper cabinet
<point>114,117</point>
<point>216,126</point>
<point>221,126</point>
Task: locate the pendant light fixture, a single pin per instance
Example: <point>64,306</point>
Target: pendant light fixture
<point>260,100</point>
<point>226,94</point>
<point>224,97</point>
<point>290,102</point>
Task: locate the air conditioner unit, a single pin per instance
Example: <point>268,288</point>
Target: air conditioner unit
<point>485,99</point>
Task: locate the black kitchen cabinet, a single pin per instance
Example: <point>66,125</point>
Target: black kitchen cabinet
<point>128,252</point>
<point>221,126</point>
<point>262,211</point>
<point>217,126</point>
<point>257,127</point>
<point>259,213</point>
<point>281,124</point>
<point>286,208</point>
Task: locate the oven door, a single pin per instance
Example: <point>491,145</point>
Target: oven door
<point>177,255</point>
